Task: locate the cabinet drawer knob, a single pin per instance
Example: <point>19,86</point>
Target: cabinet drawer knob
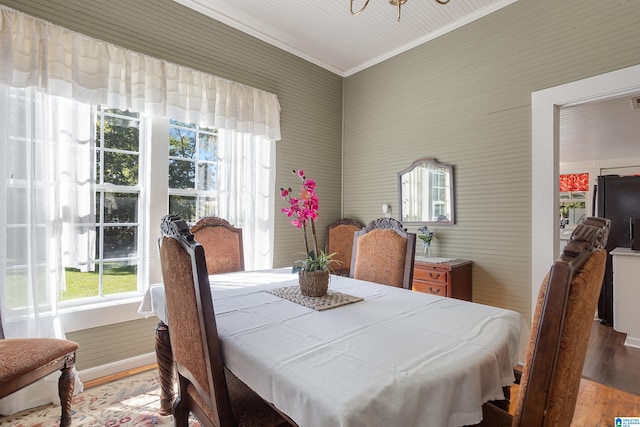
<point>434,291</point>
<point>435,275</point>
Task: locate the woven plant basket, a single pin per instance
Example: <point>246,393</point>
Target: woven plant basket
<point>313,283</point>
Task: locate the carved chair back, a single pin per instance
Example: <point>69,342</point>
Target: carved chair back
<point>383,252</point>
<point>222,243</point>
<point>340,241</point>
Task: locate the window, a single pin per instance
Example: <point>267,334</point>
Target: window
<point>113,268</point>
<point>119,173</point>
<point>116,262</point>
<point>193,155</point>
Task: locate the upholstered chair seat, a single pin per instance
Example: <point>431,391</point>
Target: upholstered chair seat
<point>24,361</point>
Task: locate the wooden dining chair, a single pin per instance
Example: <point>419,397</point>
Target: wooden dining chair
<point>383,252</point>
<point>560,332</point>
<point>206,388</point>
<point>24,361</point>
<point>222,243</point>
<point>340,241</point>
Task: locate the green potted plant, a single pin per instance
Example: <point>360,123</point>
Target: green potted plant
<point>313,270</point>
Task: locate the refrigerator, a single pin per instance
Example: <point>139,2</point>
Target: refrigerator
<point>618,199</point>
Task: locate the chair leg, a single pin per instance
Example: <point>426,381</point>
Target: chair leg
<point>65,391</point>
<point>180,414</point>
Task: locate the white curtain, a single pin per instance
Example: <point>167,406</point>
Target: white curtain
<point>245,192</point>
<point>47,145</point>
<point>65,63</point>
<point>52,60</point>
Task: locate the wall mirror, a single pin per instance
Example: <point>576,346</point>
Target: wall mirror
<point>425,193</point>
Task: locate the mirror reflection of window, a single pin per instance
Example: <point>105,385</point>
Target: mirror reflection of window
<point>426,193</point>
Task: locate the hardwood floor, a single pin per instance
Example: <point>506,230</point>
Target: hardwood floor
<point>617,370</point>
<point>610,362</point>
<point>610,386</point>
<point>599,404</point>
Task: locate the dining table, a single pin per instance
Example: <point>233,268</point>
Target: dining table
<point>365,354</point>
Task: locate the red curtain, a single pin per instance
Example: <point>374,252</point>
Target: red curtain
<point>574,182</point>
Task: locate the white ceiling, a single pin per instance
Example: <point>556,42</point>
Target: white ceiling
<point>600,130</point>
<point>324,33</point>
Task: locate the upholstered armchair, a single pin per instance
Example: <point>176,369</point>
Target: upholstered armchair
<point>340,241</point>
<point>24,361</point>
<point>383,252</point>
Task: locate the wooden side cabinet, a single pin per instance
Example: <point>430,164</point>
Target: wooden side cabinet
<point>449,279</point>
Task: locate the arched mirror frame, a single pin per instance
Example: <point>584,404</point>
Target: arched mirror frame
<point>429,163</point>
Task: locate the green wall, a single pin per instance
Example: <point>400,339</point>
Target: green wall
<point>465,99</point>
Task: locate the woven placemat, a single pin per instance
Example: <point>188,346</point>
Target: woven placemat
<point>330,300</point>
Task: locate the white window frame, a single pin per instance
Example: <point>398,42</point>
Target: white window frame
<point>195,192</point>
<point>153,203</point>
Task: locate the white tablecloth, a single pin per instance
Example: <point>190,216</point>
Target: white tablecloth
<point>398,358</point>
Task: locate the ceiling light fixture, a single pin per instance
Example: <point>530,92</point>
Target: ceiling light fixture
<point>398,3</point>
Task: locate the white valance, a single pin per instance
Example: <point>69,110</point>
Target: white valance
<point>61,62</point>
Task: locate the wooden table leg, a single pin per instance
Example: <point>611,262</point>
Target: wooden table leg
<point>166,371</point>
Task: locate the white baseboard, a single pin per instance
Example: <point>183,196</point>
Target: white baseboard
<point>632,342</point>
<point>116,367</point>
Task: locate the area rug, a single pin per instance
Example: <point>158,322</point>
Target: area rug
<point>133,401</point>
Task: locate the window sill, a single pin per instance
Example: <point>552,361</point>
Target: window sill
<point>89,316</point>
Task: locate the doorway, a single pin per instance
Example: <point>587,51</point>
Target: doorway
<point>545,111</point>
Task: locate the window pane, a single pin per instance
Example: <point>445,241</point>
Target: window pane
<point>41,250</point>
<point>80,284</point>
<point>16,153</point>
<point>183,206</point>
<point>182,143</point>
<point>120,168</point>
<point>206,176</point>
<point>16,246</point>
<point>182,174</point>
<point>16,288</point>
<point>121,134</point>
<point>16,198</point>
<point>119,277</point>
<point>120,242</point>
<point>208,146</point>
<point>120,207</point>
<point>207,206</point>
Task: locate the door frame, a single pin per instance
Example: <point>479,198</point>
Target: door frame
<point>545,115</point>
